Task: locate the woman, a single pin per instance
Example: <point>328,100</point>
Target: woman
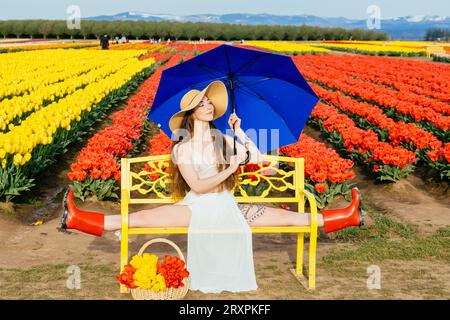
<point>220,255</point>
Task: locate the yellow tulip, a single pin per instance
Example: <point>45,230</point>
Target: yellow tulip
<point>286,46</point>
<point>17,158</point>
<point>106,73</point>
<point>374,46</point>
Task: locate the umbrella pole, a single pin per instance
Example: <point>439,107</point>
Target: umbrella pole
<point>233,108</point>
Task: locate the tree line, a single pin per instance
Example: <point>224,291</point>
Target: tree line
<point>91,29</point>
<point>434,34</point>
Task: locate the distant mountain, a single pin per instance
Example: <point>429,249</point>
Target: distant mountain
<point>408,27</point>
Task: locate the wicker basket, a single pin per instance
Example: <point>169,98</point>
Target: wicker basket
<point>169,293</point>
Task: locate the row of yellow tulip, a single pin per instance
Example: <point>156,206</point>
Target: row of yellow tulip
<point>40,126</point>
<point>13,73</point>
<point>415,44</point>
<point>361,47</point>
<point>76,74</point>
<point>21,71</point>
<point>25,75</point>
<point>152,47</point>
<point>399,47</point>
<point>285,46</point>
<point>61,45</point>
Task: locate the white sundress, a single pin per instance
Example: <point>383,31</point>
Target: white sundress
<point>220,251</point>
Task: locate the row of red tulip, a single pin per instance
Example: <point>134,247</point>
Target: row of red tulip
<point>373,93</point>
<point>433,95</point>
<point>327,174</point>
<point>398,131</point>
<point>193,46</point>
<point>387,162</point>
<point>417,75</point>
<point>427,146</point>
<point>159,56</point>
<point>322,164</point>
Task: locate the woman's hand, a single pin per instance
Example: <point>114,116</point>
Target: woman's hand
<point>234,119</point>
<point>235,160</point>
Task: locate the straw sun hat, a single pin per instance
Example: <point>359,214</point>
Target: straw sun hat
<point>216,91</point>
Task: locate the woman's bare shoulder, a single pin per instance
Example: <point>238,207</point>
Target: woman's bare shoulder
<point>183,150</point>
<point>185,146</point>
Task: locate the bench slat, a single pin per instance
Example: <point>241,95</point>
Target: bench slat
<point>238,199</point>
<point>184,230</point>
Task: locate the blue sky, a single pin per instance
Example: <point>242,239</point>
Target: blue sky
<point>56,9</point>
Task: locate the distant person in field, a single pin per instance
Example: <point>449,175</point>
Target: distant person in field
<point>104,41</point>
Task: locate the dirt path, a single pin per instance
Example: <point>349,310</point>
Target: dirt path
<point>34,262</point>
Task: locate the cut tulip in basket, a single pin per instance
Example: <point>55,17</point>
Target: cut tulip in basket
<point>149,279</point>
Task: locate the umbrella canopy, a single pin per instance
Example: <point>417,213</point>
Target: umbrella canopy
<point>266,90</point>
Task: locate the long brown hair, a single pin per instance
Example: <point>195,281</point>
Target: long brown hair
<point>179,186</point>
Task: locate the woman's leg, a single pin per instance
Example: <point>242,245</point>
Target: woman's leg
<point>330,219</point>
<point>269,216</point>
<point>171,215</point>
<point>180,216</point>
<point>163,216</point>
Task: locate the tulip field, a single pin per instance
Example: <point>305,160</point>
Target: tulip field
<point>387,116</point>
<point>70,111</point>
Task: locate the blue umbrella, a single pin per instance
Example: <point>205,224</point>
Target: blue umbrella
<point>266,91</point>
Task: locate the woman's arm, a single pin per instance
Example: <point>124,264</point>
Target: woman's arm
<point>190,175</point>
<point>255,155</point>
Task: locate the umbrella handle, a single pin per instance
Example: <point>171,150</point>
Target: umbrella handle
<point>235,151</point>
<point>246,160</point>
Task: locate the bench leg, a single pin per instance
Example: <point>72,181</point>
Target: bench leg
<point>300,249</point>
<point>310,282</point>
<point>298,271</point>
<point>124,258</point>
<point>312,259</point>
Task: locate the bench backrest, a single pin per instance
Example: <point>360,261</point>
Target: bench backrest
<point>278,179</point>
<point>434,49</point>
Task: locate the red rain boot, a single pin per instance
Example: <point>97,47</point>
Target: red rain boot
<point>85,221</point>
<point>337,219</point>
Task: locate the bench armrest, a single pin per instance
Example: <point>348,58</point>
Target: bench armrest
<point>125,199</point>
<point>313,207</point>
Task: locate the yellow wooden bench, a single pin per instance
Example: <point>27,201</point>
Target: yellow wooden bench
<point>434,49</point>
<point>138,184</point>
